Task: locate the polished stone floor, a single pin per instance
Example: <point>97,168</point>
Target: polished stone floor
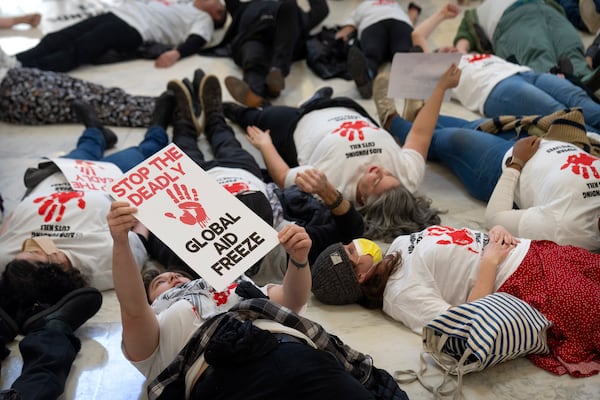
<point>100,371</point>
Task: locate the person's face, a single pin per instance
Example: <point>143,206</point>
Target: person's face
<point>374,181</point>
<point>214,8</point>
<point>164,282</point>
<point>363,264</point>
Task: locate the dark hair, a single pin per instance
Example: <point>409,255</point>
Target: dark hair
<point>397,212</point>
<point>29,287</point>
<point>151,273</point>
<point>374,286</point>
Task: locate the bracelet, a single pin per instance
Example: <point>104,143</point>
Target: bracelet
<point>515,160</point>
<point>337,201</point>
<point>297,264</point>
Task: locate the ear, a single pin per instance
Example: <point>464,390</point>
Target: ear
<point>361,277</point>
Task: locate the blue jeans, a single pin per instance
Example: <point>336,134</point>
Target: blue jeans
<point>90,146</point>
<point>530,93</point>
<point>475,157</point>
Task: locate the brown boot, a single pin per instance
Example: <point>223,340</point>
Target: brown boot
<point>241,92</point>
<point>184,107</point>
<point>275,82</point>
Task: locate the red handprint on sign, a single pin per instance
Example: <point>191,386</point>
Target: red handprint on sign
<point>581,164</point>
<point>237,187</point>
<point>460,237</point>
<point>87,167</point>
<point>187,201</point>
<point>351,128</point>
<point>57,201</point>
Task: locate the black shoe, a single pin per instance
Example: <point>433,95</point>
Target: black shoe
<point>593,84</point>
<point>275,82</point>
<point>563,66</point>
<point>87,116</point>
<point>10,394</point>
<point>233,111</point>
<point>184,109</point>
<point>211,97</point>
<point>195,103</point>
<point>73,310</point>
<point>321,94</point>
<point>359,71</point>
<point>163,109</point>
<point>8,328</point>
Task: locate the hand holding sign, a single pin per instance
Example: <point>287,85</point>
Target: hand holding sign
<point>296,243</point>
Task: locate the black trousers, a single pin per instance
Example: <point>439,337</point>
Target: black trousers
<point>81,43</point>
<point>293,371</point>
<point>380,41</point>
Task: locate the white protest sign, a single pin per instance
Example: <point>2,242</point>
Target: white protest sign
<point>415,75</point>
<point>84,175</point>
<point>211,230</point>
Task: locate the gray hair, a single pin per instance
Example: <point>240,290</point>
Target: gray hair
<point>397,212</point>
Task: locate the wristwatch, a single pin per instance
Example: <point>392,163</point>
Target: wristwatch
<point>514,160</point>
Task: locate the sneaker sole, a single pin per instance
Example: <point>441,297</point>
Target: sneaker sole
<point>176,86</point>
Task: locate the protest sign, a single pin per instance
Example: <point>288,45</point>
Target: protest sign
<point>211,230</point>
<point>415,75</point>
<point>84,175</point>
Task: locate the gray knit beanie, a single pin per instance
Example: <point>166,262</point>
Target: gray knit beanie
<point>333,278</point>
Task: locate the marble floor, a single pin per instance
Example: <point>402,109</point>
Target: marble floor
<point>101,372</point>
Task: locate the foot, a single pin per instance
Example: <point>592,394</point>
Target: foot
<point>589,15</point>
<point>241,92</point>
<point>8,328</point>
<point>163,109</point>
<point>275,82</point>
<point>73,310</point>
<point>359,71</point>
<point>194,89</point>
<point>321,94</point>
<point>233,111</point>
<point>184,109</point>
<point>86,114</point>
<point>412,108</point>
<point>211,97</point>
<point>386,106</point>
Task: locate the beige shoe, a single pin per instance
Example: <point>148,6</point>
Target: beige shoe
<point>589,15</point>
<point>386,106</point>
<point>412,108</point>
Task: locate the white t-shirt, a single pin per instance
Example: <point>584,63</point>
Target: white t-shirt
<point>343,144</point>
<point>371,11</point>
<point>439,268</point>
<point>480,75</point>
<point>76,221</point>
<point>490,12</point>
<point>558,192</point>
<point>164,22</point>
<point>236,180</point>
<point>180,316</point>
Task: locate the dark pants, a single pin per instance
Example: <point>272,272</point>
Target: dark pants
<point>292,371</point>
<point>380,41</point>
<point>277,45</point>
<point>47,358</point>
<point>81,43</point>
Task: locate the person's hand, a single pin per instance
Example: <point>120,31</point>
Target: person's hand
<point>499,234</point>
<point>450,11</point>
<point>121,220</point>
<point>344,32</point>
<point>447,49</point>
<point>167,59</point>
<point>450,78</point>
<point>296,242</point>
<point>313,181</point>
<point>525,148</point>
<point>258,137</point>
<point>496,251</point>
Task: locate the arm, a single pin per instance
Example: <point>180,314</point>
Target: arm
<point>499,210</point>
<point>344,32</point>
<point>32,20</point>
<point>140,326</point>
<point>419,136</point>
<point>193,44</point>
<point>425,28</point>
<point>294,291</point>
<point>276,166</point>
<point>493,254</point>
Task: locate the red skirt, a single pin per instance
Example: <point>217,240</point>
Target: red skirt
<point>563,283</point>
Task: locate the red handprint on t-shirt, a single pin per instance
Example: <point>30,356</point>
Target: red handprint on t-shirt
<point>58,201</point>
<point>187,201</point>
<point>581,164</point>
<point>478,57</point>
<point>87,167</point>
<point>221,298</point>
<point>351,128</point>
<point>236,187</point>
<point>460,237</point>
